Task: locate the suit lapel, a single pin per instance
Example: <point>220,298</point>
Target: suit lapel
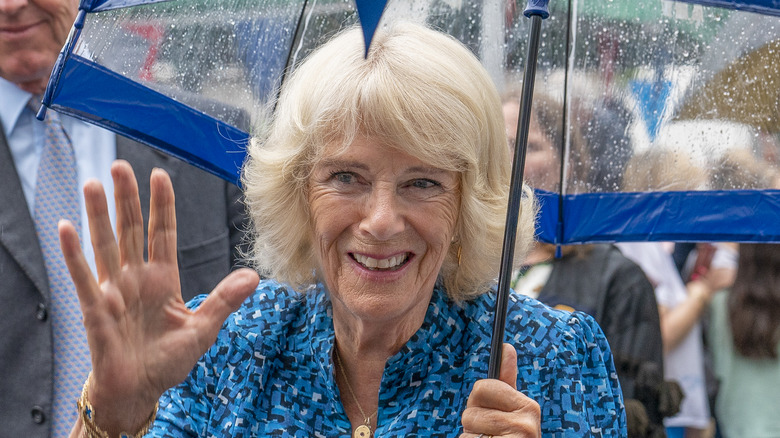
<point>17,229</point>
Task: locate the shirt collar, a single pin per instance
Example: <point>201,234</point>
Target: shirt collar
<point>14,100</point>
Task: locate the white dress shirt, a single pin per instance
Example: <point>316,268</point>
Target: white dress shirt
<point>95,150</point>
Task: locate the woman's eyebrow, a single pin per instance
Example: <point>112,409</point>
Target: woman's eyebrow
<point>426,169</point>
<point>337,162</point>
<point>354,164</point>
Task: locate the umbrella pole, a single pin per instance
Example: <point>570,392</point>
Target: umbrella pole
<point>296,36</point>
<point>536,12</point>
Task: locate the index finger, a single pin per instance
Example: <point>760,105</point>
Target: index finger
<point>493,407</point>
<point>495,394</point>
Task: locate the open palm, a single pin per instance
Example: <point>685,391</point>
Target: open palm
<point>142,338</point>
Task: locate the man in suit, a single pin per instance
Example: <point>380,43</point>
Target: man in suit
<point>211,219</point>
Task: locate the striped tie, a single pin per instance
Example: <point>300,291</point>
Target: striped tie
<point>56,197</point>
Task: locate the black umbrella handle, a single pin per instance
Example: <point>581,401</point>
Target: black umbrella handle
<point>536,11</point>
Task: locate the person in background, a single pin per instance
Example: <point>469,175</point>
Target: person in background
<point>595,279</point>
<point>378,198</point>
<point>545,143</point>
<point>41,368</point>
<point>744,343</point>
<point>734,169</point>
<point>738,169</point>
<point>681,304</point>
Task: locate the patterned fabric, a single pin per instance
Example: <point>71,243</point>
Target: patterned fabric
<point>270,372</point>
<point>56,197</point>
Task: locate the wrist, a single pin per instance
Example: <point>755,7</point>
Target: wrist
<point>699,291</point>
<point>94,424</point>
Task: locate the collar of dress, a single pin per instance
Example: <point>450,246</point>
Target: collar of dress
<point>440,338</point>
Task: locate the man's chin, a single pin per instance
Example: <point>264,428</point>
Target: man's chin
<point>34,87</point>
<point>31,83</point>
<point>30,75</point>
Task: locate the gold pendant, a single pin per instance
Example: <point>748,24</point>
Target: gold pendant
<point>362,431</point>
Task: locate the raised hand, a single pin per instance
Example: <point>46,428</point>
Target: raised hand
<point>142,338</point>
<point>497,409</point>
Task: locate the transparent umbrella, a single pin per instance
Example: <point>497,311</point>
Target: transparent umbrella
<point>190,76</point>
<point>193,76</point>
<point>625,166</point>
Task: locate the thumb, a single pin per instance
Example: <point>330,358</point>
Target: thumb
<point>508,371</point>
<point>223,300</point>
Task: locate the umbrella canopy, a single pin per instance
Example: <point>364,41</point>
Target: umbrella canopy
<point>767,7</point>
<point>193,77</point>
<point>626,166</point>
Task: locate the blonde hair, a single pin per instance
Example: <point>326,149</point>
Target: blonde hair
<point>419,91</point>
<point>662,169</point>
<point>741,169</point>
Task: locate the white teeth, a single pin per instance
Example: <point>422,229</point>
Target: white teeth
<point>373,263</point>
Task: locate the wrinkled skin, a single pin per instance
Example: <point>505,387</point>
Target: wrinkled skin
<point>32,32</point>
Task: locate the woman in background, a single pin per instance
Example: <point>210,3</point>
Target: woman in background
<point>744,341</point>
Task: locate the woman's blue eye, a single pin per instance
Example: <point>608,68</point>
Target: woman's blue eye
<point>424,183</point>
<point>343,177</point>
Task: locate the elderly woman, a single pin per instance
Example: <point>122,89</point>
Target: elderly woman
<point>378,198</point>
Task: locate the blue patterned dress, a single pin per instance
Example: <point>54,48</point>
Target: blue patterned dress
<point>270,371</point>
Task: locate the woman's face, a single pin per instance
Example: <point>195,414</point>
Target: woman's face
<point>542,165</point>
<point>383,222</point>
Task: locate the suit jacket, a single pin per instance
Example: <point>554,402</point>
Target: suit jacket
<point>211,222</point>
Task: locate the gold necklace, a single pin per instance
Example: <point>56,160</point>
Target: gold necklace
<point>364,430</point>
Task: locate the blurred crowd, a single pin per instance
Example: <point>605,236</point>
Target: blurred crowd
<point>693,326</point>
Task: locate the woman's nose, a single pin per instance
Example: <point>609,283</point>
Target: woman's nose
<point>382,218</point>
<point>9,7</point>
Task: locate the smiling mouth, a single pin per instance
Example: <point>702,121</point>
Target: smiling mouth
<point>11,29</point>
<point>388,264</point>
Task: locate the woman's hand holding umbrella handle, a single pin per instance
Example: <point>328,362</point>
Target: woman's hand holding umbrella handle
<point>497,409</point>
<point>142,338</point>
